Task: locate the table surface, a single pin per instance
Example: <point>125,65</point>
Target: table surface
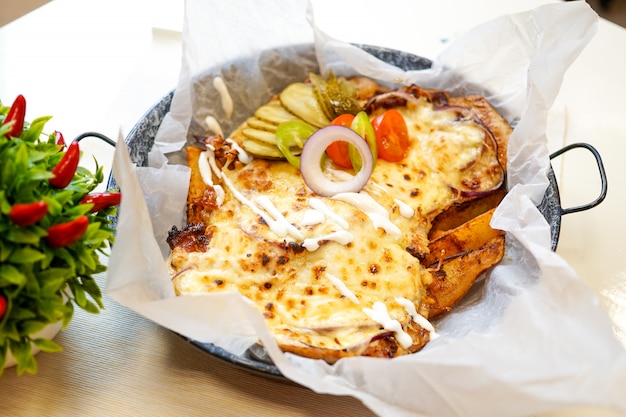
<point>99,65</point>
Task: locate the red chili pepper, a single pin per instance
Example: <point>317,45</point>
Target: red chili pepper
<point>64,234</point>
<point>60,138</point>
<point>25,214</point>
<point>102,201</point>
<point>66,168</point>
<point>3,306</point>
<point>16,114</point>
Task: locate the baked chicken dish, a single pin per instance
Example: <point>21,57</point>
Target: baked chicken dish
<point>350,214</point>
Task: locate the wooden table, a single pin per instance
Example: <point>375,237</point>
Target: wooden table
<point>99,65</point>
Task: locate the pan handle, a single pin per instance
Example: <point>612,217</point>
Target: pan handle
<point>601,169</point>
<point>97,135</point>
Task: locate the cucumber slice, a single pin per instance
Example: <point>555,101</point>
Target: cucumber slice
<point>265,150</point>
<point>273,113</point>
<point>260,135</point>
<point>298,98</point>
<point>257,123</point>
<point>261,149</point>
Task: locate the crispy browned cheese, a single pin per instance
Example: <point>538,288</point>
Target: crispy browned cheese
<point>350,283</point>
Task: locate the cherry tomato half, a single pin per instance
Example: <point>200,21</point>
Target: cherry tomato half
<point>338,151</point>
<point>392,136</point>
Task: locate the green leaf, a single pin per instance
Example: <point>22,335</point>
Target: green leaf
<point>54,206</point>
<point>68,312</point>
<point>26,255</point>
<point>90,307</point>
<point>25,235</point>
<point>39,155</point>
<point>32,326</point>
<point>96,234</point>
<point>4,130</point>
<point>35,128</point>
<point>64,197</point>
<point>3,355</point>
<point>5,250</point>
<point>87,257</point>
<point>10,275</point>
<point>79,295</point>
<point>46,345</point>
<point>52,308</point>
<point>20,159</point>
<point>10,330</point>
<point>23,355</point>
<point>64,254</point>
<point>5,205</point>
<point>49,257</point>
<point>18,314</point>
<point>92,288</point>
<point>77,211</point>
<point>53,279</point>
<point>7,171</point>
<point>36,176</point>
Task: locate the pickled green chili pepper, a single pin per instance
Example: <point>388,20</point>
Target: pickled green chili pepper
<point>290,134</point>
<point>362,125</point>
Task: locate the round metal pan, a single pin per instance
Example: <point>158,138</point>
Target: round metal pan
<point>141,139</point>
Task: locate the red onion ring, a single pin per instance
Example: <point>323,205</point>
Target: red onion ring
<point>314,149</point>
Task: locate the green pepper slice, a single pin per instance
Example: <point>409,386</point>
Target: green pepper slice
<point>290,134</point>
<point>362,125</point>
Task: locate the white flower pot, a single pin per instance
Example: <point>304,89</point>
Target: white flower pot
<point>48,332</point>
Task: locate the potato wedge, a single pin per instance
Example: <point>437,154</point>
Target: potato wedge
<point>199,196</point>
<point>460,213</point>
<point>456,275</point>
<point>469,236</point>
<point>196,184</point>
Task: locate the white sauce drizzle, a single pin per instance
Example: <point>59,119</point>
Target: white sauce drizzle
<point>417,317</point>
<point>214,125</point>
<point>379,314</point>
<point>405,210</point>
<point>205,166</point>
<point>341,236</point>
<point>276,227</point>
<point>266,204</point>
<point>220,195</point>
<point>343,289</point>
<point>318,204</point>
<point>210,154</point>
<point>227,101</point>
<point>312,217</point>
<point>243,156</point>
<point>378,215</point>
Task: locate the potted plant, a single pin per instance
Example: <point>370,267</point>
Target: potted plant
<point>53,231</point>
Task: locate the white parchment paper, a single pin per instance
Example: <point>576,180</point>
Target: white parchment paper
<point>528,339</point>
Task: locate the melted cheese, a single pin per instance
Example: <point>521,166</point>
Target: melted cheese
<point>353,245</point>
